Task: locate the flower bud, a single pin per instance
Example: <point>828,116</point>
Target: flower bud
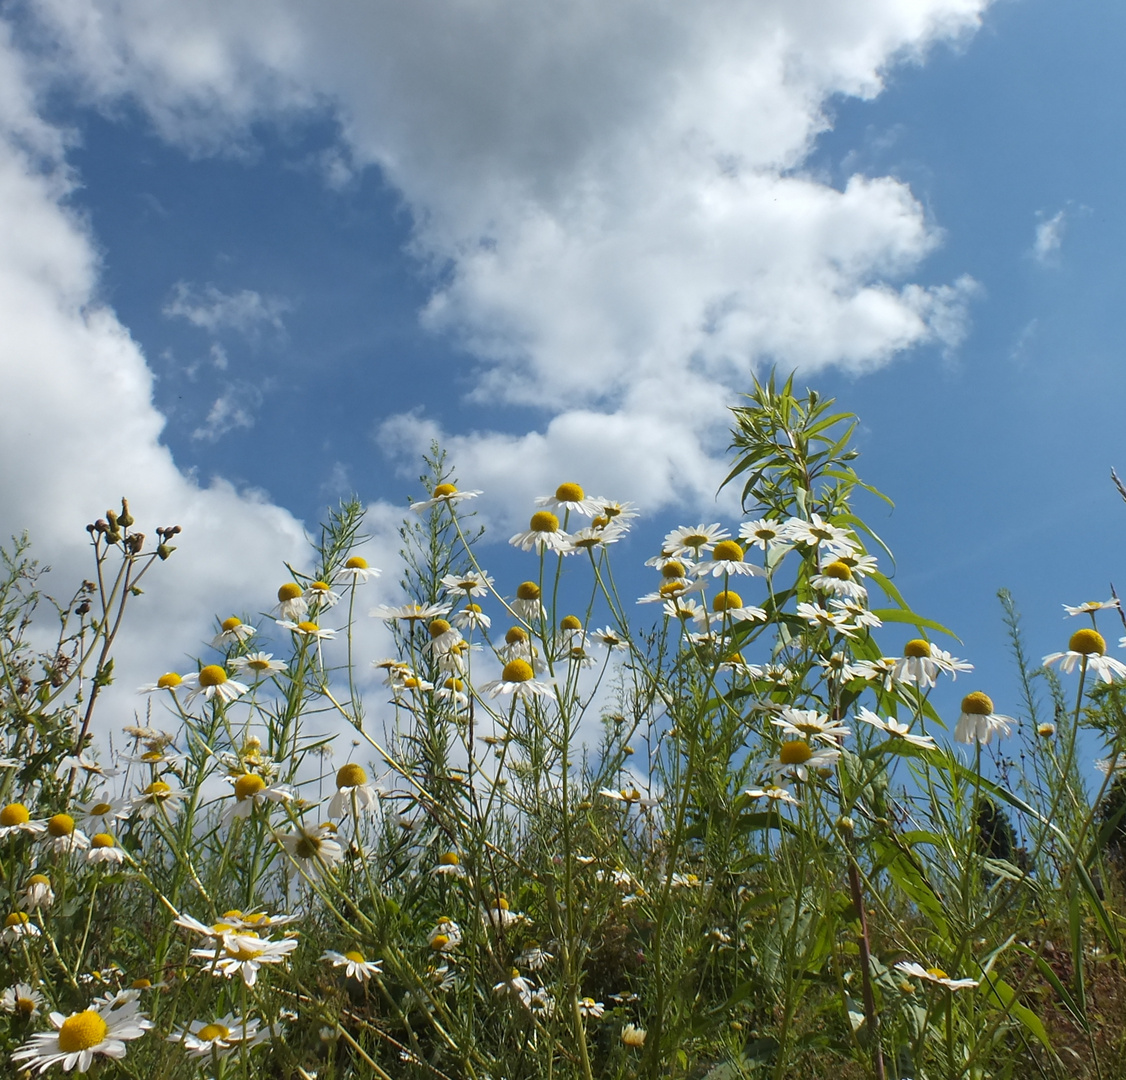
<point>126,518</point>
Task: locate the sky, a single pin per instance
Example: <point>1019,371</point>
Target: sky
<point>257,257</point>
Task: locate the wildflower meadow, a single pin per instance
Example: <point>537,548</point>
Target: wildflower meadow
<point>718,831</point>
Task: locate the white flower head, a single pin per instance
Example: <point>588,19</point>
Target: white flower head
<point>934,975</point>
<point>213,683</point>
<point>517,679</point>
<point>1087,648</point>
<point>895,729</point>
<point>217,1038</point>
<point>352,791</point>
<point>543,534</point>
<point>313,848</point>
<point>22,1000</point>
<point>443,495</point>
<point>356,570</point>
<point>819,534</point>
<point>922,663</point>
<point>354,965</point>
<point>257,665</point>
<point>810,724</point>
<point>101,1030</point>
<point>727,559</point>
<point>978,722</point>
<point>694,540</point>
<point>1089,606</point>
<point>232,632</point>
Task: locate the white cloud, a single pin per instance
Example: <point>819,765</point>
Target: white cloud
<point>209,308</point>
<point>231,410</point>
<point>1049,237</point>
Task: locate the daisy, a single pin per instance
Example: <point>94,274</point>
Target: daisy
<point>816,533</point>
<point>633,1036</point>
<point>453,691</point>
<point>168,681</point>
<point>63,836</point>
<point>354,965</point>
<point>934,975</point>
<point>609,638</point>
<point>729,606</point>
<point>689,540</point>
<point>533,957</point>
<point>308,630</point>
<point>243,954</point>
<point>22,1000</point>
<point>543,533</point>
<point>443,637</point>
<point>594,536</point>
<point>569,497</point>
<point>839,668</point>
<point>727,558</point>
<point>517,679</point>
<point>820,618</point>
<point>978,722</point>
<point>257,664</point>
<point>219,1037</point>
<point>501,915</point>
<point>590,1009</point>
<point>836,578</point>
<point>16,926</point>
<point>880,671</point>
<point>158,798</point>
<point>1087,648</point>
<point>16,818</point>
<point>896,730</point>
<point>252,793</point>
<point>1090,606</point>
<point>103,848</point>
<point>449,865</point>
<point>922,663</point>
<point>212,682</point>
<point>355,570</point>
<point>410,612</point>
<point>617,512</point>
<point>87,765</point>
<point>232,631</point>
<point>764,534</point>
<point>671,589</point>
<point>443,495</point>
<point>855,610</point>
<point>809,723</point>
<point>291,602</point>
<point>79,1037</point>
<point>456,660</point>
<point>319,596</point>
<point>445,937</point>
<point>353,792</point>
<point>798,758</point>
<point>103,811</point>
<point>774,793</point>
<point>313,848</point>
<point>627,795</point>
<point>471,617</point>
<point>38,893</point>
<point>471,583</point>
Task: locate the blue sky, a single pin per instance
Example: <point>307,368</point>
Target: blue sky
<point>328,242</point>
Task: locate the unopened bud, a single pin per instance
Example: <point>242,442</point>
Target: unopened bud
<point>136,542</point>
<point>126,518</point>
<point>111,517</point>
<point>164,550</point>
<point>113,537</point>
<point>100,525</point>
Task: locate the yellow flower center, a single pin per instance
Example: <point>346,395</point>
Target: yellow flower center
<point>141,984</point>
<point>212,675</point>
<point>307,627</point>
<point>17,918</point>
<point>502,904</point>
<point>528,590</point>
<point>25,1005</point>
<point>351,775</point>
<point>674,568</point>
<point>98,809</point>
<point>289,591</point>
<point>211,1032</point>
<point>152,756</point>
<point>456,685</point>
<point>438,627</point>
<point>439,941</point>
<point>727,551</point>
<point>256,663</point>
<point>450,858</point>
<point>696,540</point>
<point>231,623</point>
<point>570,622</point>
<point>839,570</point>
<point>938,973</point>
<point>727,601</point>
<point>600,522</point>
<point>544,521</point>
<point>356,563</point>
<point>917,649</point>
<point>320,586</point>
<point>517,671</point>
<point>977,704</point>
<point>570,493</point>
<point>158,789</point>
<point>244,952</point>
<point>102,840</point>
<point>166,682</point>
<point>307,847</point>
<point>81,1031</point>
<point>796,752</point>
<point>248,785</point>
<point>39,879</point>
<point>444,491</point>
<point>516,636</point>
<point>475,608</point>
<point>355,957</point>
<point>61,825</point>
<point>14,814</point>
<point>1087,642</point>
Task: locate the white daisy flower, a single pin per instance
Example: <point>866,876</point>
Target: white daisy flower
<point>590,1009</point>
<point>319,596</point>
<point>727,559</point>
<point>609,638</point>
<point>517,679</point>
<point>934,975</point>
<point>443,495</point>
<point>533,957</point>
<point>453,692</point>
<point>617,512</point>
<point>836,579</point>
<point>257,664</point>
<point>213,682</point>
<point>232,631</point>
<point>443,637</point>
<point>86,765</point>
<point>922,662</point>
<point>672,589</point>
<point>168,681</point>
<point>895,729</point>
<point>445,937</point>
<point>817,533</point>
<point>569,497</point>
<point>15,818</point>
<point>856,611</point>
<point>764,534</point>
<point>809,723</point>
<point>799,758</point>
<point>64,836</point>
<point>978,722</point>
<point>633,1036</point>
<point>471,617</point>
<point>21,1000</point>
<point>773,792</point>
<point>631,796</point>
<point>16,926</point>
<point>217,1038</point>
<point>243,953</point>
<point>102,811</point>
<point>354,965</point>
<point>449,865</point>
<point>593,537</point>
<point>500,916</point>
<point>471,583</point>
<point>832,621</point>
<point>839,668</point>
<point>1089,606</point>
<point>252,792</point>
<point>543,533</point>
<point>313,848</point>
<point>694,540</point>
<point>728,606</point>
<point>103,1030</point>
<point>352,791</point>
<point>37,893</point>
<point>409,612</point>
<point>355,570</point>
<point>308,630</point>
<point>880,671</point>
<point>291,604</point>
<point>159,797</point>
<point>1087,648</point>
<point>104,849</point>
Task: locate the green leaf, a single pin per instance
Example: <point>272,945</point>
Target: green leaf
<point>1006,995</point>
<point>898,615</point>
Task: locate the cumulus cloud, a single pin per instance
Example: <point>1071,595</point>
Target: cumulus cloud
<point>1049,237</point>
<point>245,312</point>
